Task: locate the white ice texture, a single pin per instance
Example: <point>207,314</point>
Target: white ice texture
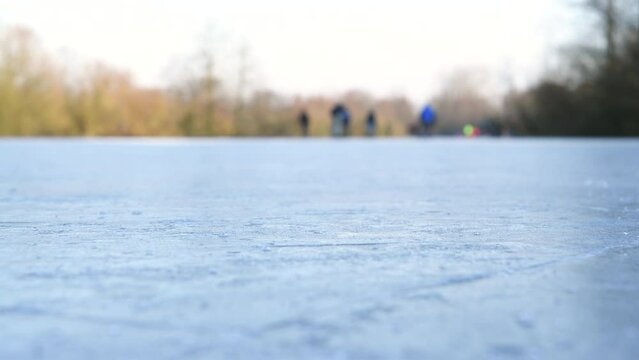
<point>319,249</point>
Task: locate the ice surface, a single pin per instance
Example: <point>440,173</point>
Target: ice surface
<point>291,249</point>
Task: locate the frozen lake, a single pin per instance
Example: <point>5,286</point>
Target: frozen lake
<point>303,249</point>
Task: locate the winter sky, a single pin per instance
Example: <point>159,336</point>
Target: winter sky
<point>301,47</point>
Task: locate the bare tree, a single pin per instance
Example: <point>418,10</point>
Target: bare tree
<point>208,90</point>
<point>607,13</point>
<point>462,100</point>
<point>242,80</point>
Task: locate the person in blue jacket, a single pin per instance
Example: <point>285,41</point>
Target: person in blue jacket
<point>427,120</point>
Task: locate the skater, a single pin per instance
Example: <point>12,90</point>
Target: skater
<point>427,120</point>
<point>340,120</point>
<point>346,118</point>
<point>371,123</point>
<point>304,122</point>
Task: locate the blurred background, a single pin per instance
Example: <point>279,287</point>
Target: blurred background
<point>249,68</point>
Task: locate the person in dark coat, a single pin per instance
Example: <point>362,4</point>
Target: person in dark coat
<point>340,120</point>
<point>371,123</point>
<point>304,121</point>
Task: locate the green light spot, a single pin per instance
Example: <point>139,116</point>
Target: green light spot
<point>469,130</point>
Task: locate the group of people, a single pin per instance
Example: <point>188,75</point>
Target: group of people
<point>341,121</point>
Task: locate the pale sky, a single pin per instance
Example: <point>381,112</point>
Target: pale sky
<point>306,47</point>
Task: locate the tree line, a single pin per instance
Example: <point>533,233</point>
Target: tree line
<point>40,96</point>
<point>597,91</point>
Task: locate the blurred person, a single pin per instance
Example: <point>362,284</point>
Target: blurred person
<point>340,120</point>
<point>491,127</point>
<point>427,120</point>
<point>304,121</point>
<point>346,118</point>
<point>371,123</point>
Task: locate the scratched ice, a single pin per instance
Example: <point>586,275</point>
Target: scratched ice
<point>303,249</point>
